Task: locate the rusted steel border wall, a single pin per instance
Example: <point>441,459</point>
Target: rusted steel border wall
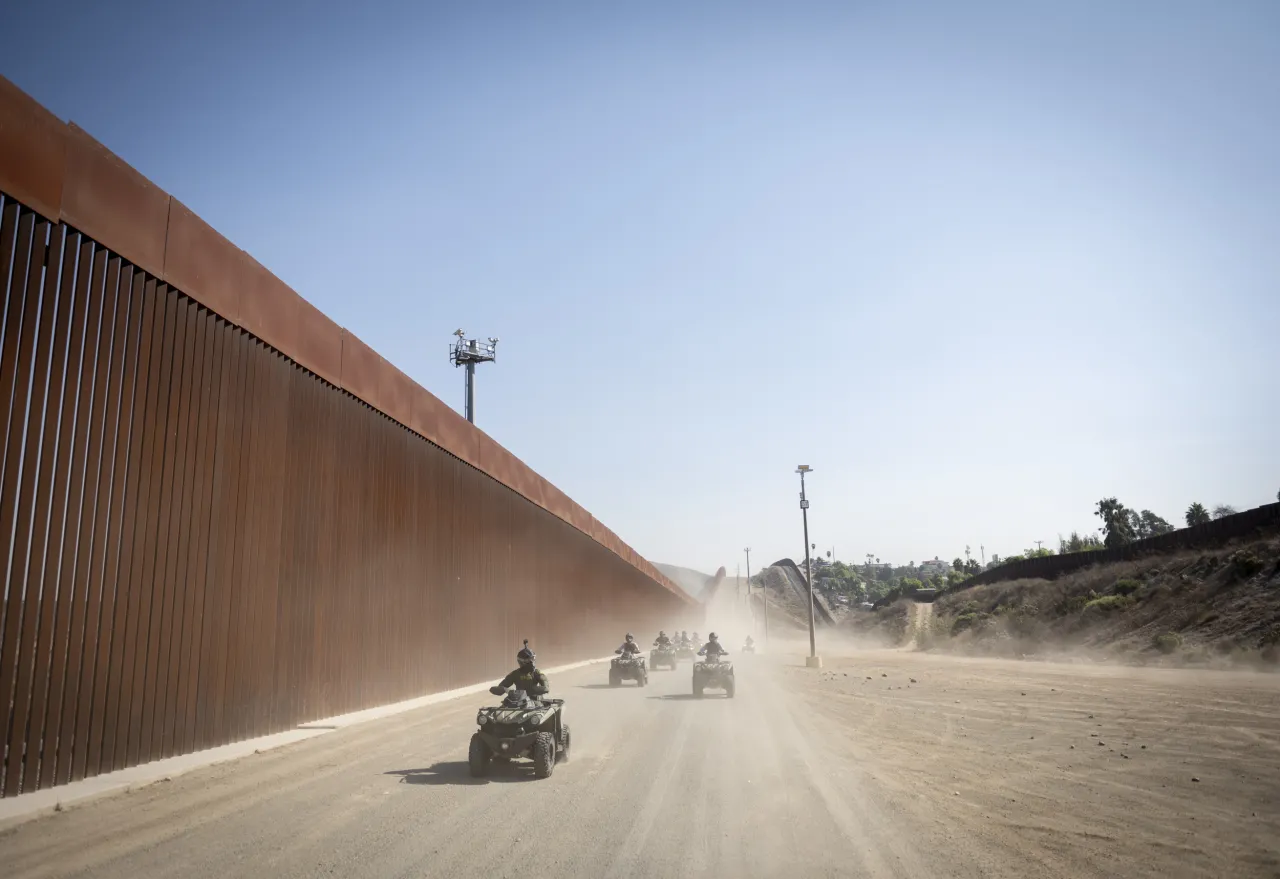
<point>222,514</point>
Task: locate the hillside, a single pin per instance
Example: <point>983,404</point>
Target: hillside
<point>689,580</point>
<point>1211,607</point>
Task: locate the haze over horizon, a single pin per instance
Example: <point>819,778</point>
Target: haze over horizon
<point>978,267</point>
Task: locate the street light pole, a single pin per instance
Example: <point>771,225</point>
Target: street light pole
<point>764,594</point>
<point>813,660</point>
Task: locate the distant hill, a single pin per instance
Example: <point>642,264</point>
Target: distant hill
<point>689,580</point>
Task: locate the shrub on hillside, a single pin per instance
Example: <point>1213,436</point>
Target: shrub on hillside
<point>1168,642</point>
<point>1245,564</point>
<point>971,620</point>
<point>1109,603</point>
<point>1127,586</point>
<point>1072,604</point>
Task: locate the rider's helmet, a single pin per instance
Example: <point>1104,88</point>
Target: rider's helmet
<point>661,633</point>
<point>712,637</point>
<point>526,656</point>
<point>630,637</point>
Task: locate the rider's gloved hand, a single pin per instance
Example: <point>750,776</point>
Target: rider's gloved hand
<point>496,690</point>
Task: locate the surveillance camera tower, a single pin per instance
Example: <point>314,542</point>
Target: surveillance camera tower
<point>468,352</point>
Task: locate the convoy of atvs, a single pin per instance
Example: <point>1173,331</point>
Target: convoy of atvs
<point>528,724</point>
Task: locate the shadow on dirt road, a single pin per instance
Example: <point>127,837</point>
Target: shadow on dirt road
<point>457,772</point>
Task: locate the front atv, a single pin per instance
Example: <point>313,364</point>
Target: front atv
<point>713,673</point>
<point>628,668</point>
<point>663,657</point>
<point>520,728</point>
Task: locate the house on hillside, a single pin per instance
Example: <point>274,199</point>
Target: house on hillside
<point>934,566</point>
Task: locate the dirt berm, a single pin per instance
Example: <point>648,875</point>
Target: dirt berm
<point>1211,608</point>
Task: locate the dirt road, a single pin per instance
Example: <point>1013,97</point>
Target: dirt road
<point>976,768</point>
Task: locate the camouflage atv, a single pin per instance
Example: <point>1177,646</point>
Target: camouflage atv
<point>713,673</point>
<point>685,651</point>
<point>628,668</point>
<point>520,727</point>
<point>663,657</point>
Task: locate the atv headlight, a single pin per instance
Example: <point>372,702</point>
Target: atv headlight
<point>482,719</point>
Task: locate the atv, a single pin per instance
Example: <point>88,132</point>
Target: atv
<point>520,727</point>
<point>748,648</point>
<point>714,673</point>
<point>685,651</point>
<point>628,668</point>
<point>663,657</point>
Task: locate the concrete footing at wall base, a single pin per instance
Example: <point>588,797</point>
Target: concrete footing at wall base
<point>813,662</point>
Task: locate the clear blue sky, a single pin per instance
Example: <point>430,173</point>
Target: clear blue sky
<point>979,264</point>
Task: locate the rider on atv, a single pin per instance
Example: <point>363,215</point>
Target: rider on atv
<point>662,640</point>
<point>629,647</point>
<point>527,677</point>
<point>751,642</point>
<point>684,639</point>
<point>712,648</point>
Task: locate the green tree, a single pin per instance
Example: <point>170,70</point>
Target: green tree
<point>1223,510</point>
<point>1039,552</point>
<point>1149,524</point>
<point>1197,514</point>
<point>878,589</point>
<point>1079,543</point>
<point>957,564</point>
<point>1117,522</point>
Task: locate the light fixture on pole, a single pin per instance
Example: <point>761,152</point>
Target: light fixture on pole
<point>468,352</point>
<point>813,660</point>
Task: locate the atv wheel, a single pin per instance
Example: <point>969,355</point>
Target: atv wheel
<point>544,754</point>
<point>478,757</point>
<point>644,679</point>
<point>728,688</point>
<point>563,756</point>
<point>614,679</point>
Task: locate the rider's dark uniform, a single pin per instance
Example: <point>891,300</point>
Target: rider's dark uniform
<point>663,641</point>
<point>531,680</point>
<point>628,648</point>
<point>713,648</point>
